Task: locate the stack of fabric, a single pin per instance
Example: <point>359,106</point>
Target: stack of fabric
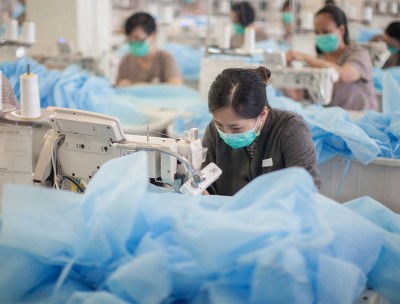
<point>121,243</point>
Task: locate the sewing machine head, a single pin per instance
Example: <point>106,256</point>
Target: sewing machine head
<point>80,142</point>
<point>318,82</point>
<point>377,51</point>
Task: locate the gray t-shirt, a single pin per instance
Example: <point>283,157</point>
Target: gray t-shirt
<point>162,69</point>
<point>285,139</point>
<point>358,95</point>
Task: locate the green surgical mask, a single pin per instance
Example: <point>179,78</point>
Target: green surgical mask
<point>392,49</point>
<point>139,48</point>
<point>239,140</point>
<point>287,18</point>
<point>239,29</point>
<point>327,43</point>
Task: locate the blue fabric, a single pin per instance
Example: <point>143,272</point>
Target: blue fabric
<point>200,118</point>
<point>78,89</point>
<point>378,75</point>
<point>366,34</point>
<point>381,276</point>
<point>188,59</point>
<point>119,242</point>
<point>99,297</point>
<point>334,134</point>
<point>376,213</point>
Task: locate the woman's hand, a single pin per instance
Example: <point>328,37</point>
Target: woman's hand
<point>205,192</point>
<point>124,83</point>
<point>294,55</point>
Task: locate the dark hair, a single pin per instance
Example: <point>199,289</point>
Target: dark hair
<point>393,30</point>
<point>143,20</point>
<point>339,17</point>
<point>245,13</point>
<point>242,89</point>
<point>287,6</point>
<point>330,2</point>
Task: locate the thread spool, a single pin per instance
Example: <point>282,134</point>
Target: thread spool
<point>153,10</point>
<point>225,37</point>
<point>368,13</point>
<point>383,6</point>
<point>225,7</point>
<point>308,23</point>
<point>353,11</point>
<point>11,32</point>
<point>168,14</point>
<point>30,100</point>
<point>28,32</point>
<point>394,8</point>
<point>249,39</point>
<point>1,91</point>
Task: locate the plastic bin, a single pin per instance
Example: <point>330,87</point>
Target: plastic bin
<point>379,180</point>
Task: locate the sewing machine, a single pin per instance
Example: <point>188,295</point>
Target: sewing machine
<point>377,51</point>
<point>80,142</point>
<point>13,50</point>
<point>319,82</point>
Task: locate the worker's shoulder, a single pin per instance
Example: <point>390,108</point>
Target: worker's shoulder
<point>355,49</point>
<point>127,58</point>
<point>286,116</point>
<point>164,55</point>
<point>287,121</point>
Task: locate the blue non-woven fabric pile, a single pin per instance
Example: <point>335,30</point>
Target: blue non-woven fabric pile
<point>366,34</point>
<point>378,76</point>
<point>78,89</point>
<point>121,243</point>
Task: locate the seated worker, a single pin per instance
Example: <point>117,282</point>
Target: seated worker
<point>288,18</point>
<point>242,16</point>
<point>392,39</point>
<point>248,138</point>
<point>8,93</point>
<point>145,63</point>
<point>354,89</point>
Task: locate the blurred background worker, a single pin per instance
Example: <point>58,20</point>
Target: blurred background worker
<point>243,15</point>
<point>355,89</point>
<point>289,19</point>
<point>392,40</point>
<point>146,63</point>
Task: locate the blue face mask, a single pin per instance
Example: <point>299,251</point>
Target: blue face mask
<point>392,49</point>
<point>139,48</point>
<point>327,43</point>
<point>238,28</point>
<point>239,140</point>
<point>287,17</point>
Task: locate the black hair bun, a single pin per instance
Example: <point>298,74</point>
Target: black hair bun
<point>264,73</point>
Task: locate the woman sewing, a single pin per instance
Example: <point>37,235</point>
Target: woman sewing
<point>248,138</point>
<point>355,89</point>
<point>145,63</point>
